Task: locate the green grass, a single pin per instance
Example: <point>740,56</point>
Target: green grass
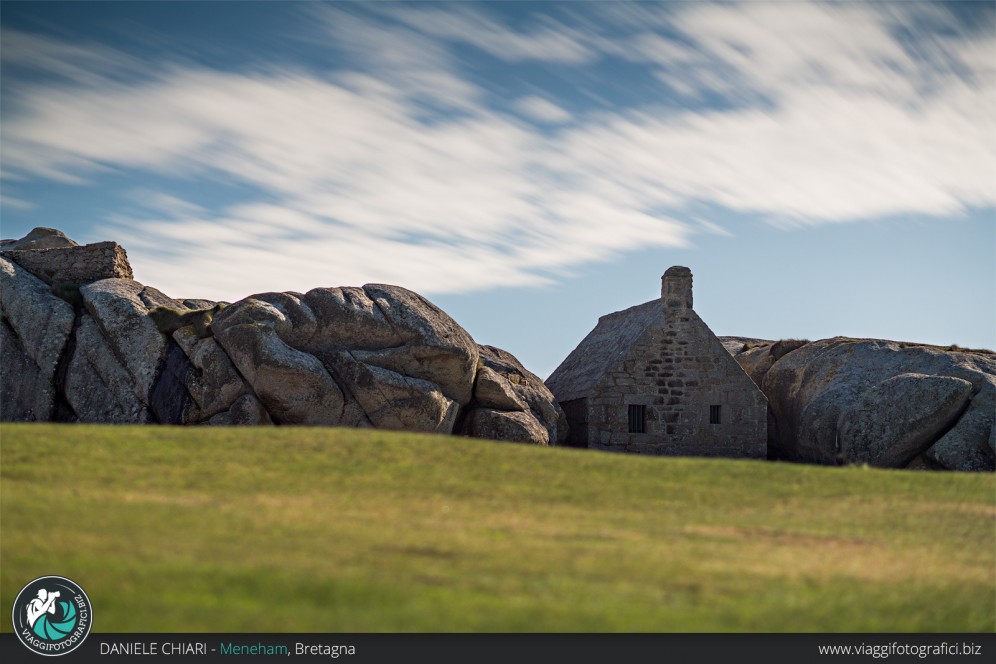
<point>300,529</point>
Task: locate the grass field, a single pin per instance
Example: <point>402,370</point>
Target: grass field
<point>300,529</point>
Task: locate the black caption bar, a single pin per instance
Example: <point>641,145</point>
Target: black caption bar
<point>522,648</point>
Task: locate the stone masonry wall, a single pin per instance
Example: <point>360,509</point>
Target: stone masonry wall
<point>677,372</point>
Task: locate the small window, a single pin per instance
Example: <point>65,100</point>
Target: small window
<point>637,419</point>
<point>715,414</point>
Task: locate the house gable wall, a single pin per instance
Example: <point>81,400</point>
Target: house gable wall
<point>677,370</point>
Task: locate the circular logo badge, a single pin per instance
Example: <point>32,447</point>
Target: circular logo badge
<point>52,615</point>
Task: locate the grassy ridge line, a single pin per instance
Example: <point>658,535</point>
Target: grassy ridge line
<point>306,529</point>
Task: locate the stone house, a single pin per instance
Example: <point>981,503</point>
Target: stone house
<point>654,379</point>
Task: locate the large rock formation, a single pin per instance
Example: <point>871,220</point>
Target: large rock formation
<point>58,261</point>
<point>510,403</point>
<point>84,342</point>
<point>884,403</point>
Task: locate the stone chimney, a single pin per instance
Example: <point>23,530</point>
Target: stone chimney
<point>676,288</point>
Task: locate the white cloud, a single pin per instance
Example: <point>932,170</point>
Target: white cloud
<point>163,203</point>
<point>394,61</point>
<point>823,158</point>
<point>17,203</point>
<point>396,170</point>
<point>772,49</point>
<point>552,42</point>
<point>542,110</point>
<point>89,63</point>
<point>712,227</point>
<point>367,191</point>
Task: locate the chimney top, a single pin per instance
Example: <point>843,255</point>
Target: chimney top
<point>678,271</point>
<point>676,287</point>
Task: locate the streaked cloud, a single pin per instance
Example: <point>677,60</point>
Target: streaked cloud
<point>18,203</point>
<point>548,41</point>
<point>542,110</point>
<point>60,58</point>
<point>158,202</point>
<point>401,166</point>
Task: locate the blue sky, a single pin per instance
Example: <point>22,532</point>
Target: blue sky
<point>824,169</point>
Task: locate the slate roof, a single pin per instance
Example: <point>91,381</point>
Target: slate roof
<point>604,346</point>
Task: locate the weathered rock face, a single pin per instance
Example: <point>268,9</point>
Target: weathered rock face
<point>516,427</point>
<point>378,356</point>
<point>511,403</point>
<point>971,443</point>
<point>373,356</point>
<point>38,238</point>
<point>120,308</point>
<point>883,403</point>
<point>34,329</point>
<point>72,265</point>
<point>210,379</point>
<point>920,408</point>
<point>97,386</point>
<point>118,353</point>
